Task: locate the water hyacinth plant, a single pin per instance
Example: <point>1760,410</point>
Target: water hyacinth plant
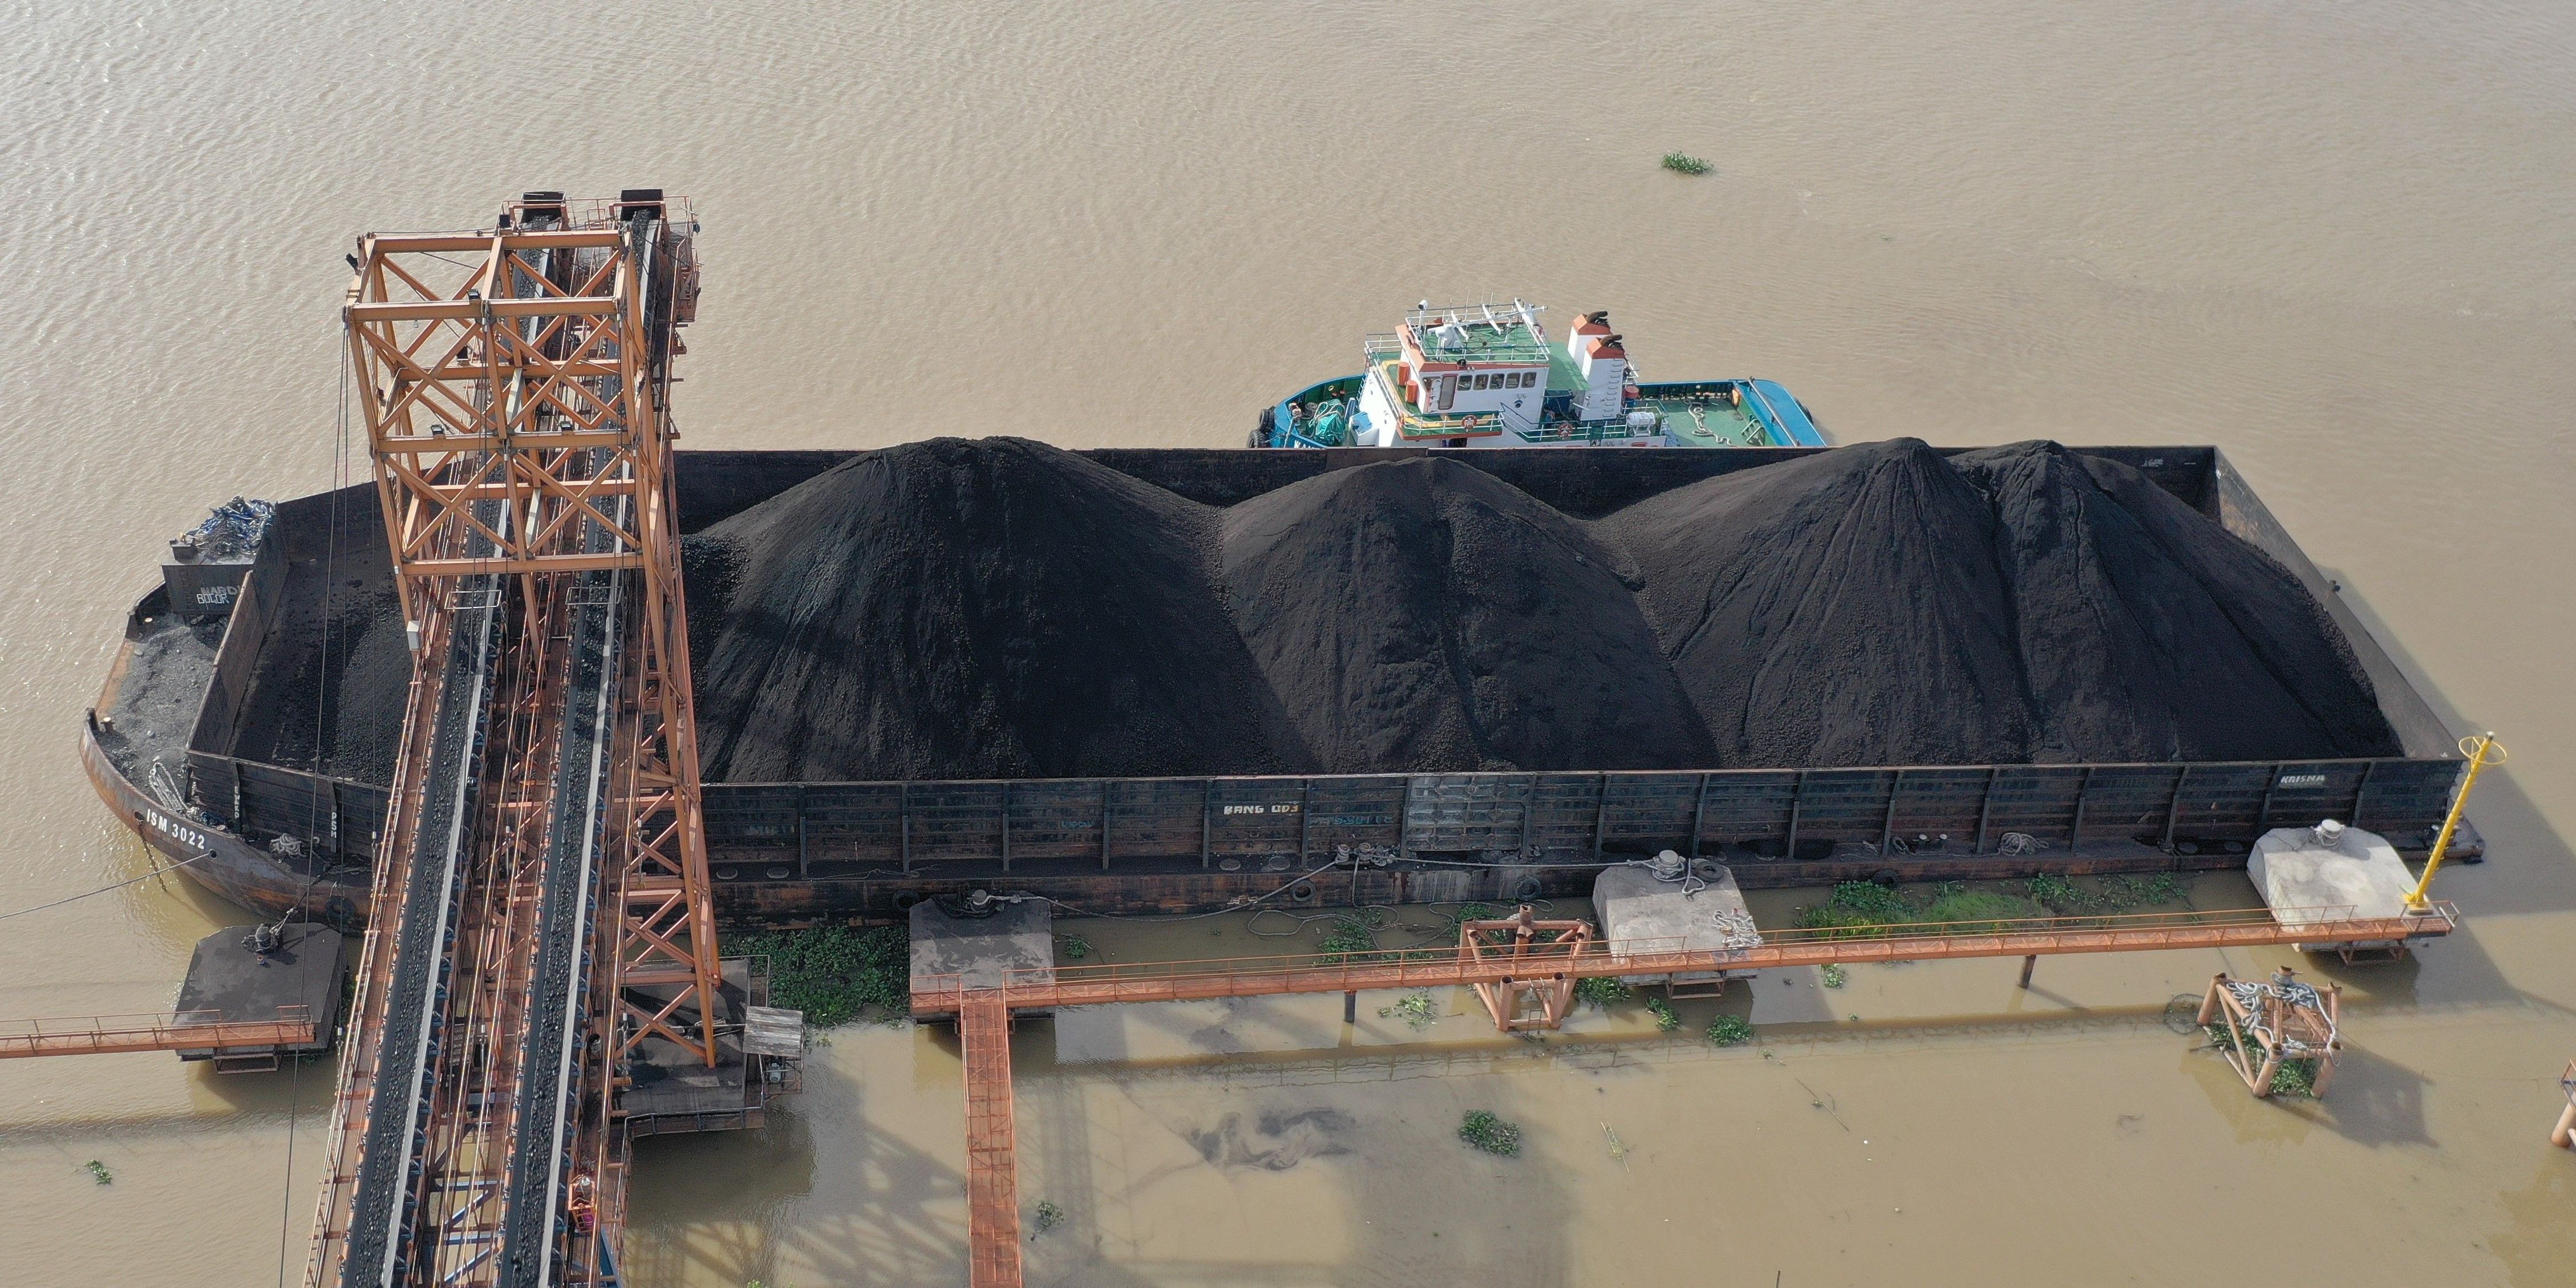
<point>1730,1030</point>
<point>1484,1131</point>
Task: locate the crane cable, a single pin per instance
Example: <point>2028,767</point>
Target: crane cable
<point>156,871</point>
<point>321,710</point>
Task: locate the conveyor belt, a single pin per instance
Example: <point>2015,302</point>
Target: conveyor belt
<point>398,1110</point>
<point>548,1088</point>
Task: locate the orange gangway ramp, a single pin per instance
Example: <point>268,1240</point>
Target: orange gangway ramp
<point>153,1031</point>
<point>992,1181</point>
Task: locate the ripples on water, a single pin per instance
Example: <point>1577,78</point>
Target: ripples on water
<point>2339,242</point>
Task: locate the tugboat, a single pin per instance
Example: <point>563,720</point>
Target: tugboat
<point>1487,376</point>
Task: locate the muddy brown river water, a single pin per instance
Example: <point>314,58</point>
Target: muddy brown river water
<point>2338,241</point>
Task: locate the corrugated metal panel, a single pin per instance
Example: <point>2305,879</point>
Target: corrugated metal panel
<point>845,828</point>
<point>1466,812</point>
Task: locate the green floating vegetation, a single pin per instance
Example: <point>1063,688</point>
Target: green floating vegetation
<point>1484,1131</point>
<point>1604,991</point>
<point>98,1172</point>
<point>1858,909</point>
<point>1685,163</point>
<point>1834,976</point>
<point>1047,1217</point>
<point>1347,938</point>
<point>1075,947</point>
<point>1665,1020</point>
<point>2295,1078</point>
<point>1415,1008</point>
<point>1730,1030</point>
<point>831,973</point>
<point>1468,912</point>
<point>1858,906</point>
<point>2061,896</point>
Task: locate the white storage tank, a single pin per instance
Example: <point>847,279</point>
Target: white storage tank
<point>2330,872</point>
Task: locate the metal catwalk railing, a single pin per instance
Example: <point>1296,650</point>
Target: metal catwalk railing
<point>1436,967</point>
<point>155,1031</point>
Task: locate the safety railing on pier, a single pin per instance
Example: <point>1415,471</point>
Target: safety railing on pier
<point>1107,982</point>
<point>154,1031</point>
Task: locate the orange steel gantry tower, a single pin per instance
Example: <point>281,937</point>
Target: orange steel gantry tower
<point>556,403</point>
<point>513,384</point>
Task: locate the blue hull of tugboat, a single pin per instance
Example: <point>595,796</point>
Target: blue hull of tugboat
<point>1784,420</point>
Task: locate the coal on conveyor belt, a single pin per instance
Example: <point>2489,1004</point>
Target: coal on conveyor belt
<point>1423,615</point>
<point>987,609</point>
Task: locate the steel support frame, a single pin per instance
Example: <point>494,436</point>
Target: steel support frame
<point>529,385</point>
<point>1536,954</point>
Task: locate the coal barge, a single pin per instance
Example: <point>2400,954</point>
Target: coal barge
<point>194,742</point>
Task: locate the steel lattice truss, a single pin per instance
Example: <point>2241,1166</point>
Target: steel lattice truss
<point>513,384</point>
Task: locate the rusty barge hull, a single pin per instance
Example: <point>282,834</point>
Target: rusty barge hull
<point>274,836</point>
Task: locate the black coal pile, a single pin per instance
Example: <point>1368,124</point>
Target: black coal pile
<point>1882,604</point>
<point>2149,633</point>
<point>1000,608</point>
<point>1422,615</point>
<point>957,609</point>
<point>1839,609</point>
<point>329,684</point>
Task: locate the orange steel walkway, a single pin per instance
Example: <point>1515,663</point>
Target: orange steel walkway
<point>1433,968</point>
<point>984,1014</point>
<point>185,1031</point>
<point>992,1169</point>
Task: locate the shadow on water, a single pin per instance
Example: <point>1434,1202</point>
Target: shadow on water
<point>2539,1241</point>
<point>758,1202</point>
<point>1373,1187</point>
<point>2373,1101</point>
